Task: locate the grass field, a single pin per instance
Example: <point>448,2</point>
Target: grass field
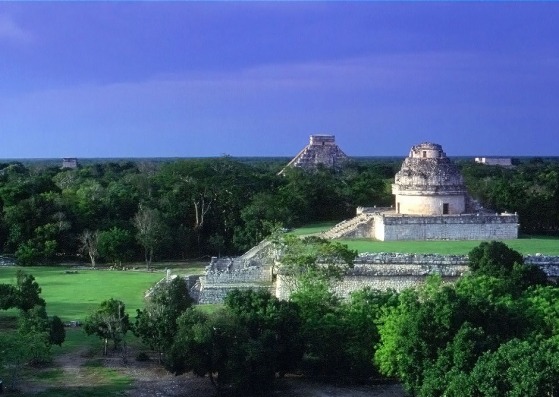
<point>313,228</point>
<point>526,245</point>
<point>73,294</point>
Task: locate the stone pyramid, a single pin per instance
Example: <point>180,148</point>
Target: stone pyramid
<point>322,149</point>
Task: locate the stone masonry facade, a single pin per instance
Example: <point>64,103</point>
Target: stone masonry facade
<point>448,227</point>
<point>381,271</point>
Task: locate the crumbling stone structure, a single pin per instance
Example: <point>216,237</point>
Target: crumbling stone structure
<point>381,271</point>
<point>253,270</point>
<point>321,150</point>
<point>431,203</point>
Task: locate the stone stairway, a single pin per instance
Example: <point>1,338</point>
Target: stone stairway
<point>256,251</point>
<point>347,228</point>
<point>250,271</point>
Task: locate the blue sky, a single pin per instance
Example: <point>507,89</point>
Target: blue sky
<point>167,79</point>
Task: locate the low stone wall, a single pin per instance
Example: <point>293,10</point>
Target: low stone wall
<point>249,271</point>
<point>380,277</point>
<point>251,274</point>
<point>384,271</point>
<point>446,227</point>
<point>216,293</point>
<point>383,283</point>
<point>549,264</point>
<point>410,259</point>
<point>380,271</point>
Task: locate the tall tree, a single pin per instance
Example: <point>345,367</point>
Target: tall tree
<point>28,292</point>
<point>150,231</point>
<point>109,322</point>
<point>115,245</point>
<point>90,244</point>
<point>156,324</point>
<point>260,312</point>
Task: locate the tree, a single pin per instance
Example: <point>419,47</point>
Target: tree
<point>28,292</point>
<point>435,336</point>
<point>149,231</point>
<point>323,328</point>
<point>261,217</point>
<point>217,243</point>
<point>156,324</point>
<point>192,346</point>
<point>445,377</point>
<point>414,333</point>
<point>109,322</point>
<point>496,259</point>
<point>30,344</point>
<point>57,332</point>
<point>114,245</point>
<point>517,369</point>
<point>8,296</point>
<point>89,244</point>
<point>18,350</point>
<point>312,259</point>
<point>34,324</point>
<point>219,346</point>
<point>240,347</point>
<point>260,312</point>
<point>361,314</point>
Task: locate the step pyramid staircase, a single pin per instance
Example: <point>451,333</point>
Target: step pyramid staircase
<point>350,227</point>
<point>321,150</point>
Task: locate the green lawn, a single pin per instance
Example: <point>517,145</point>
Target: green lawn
<point>526,246</point>
<point>313,228</point>
<point>72,296</point>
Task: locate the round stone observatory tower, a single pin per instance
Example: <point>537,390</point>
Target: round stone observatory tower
<point>429,183</point>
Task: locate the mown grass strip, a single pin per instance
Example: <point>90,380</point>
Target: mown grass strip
<point>313,228</point>
<point>526,246</point>
<point>72,296</point>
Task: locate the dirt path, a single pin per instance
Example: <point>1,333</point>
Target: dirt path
<point>149,379</point>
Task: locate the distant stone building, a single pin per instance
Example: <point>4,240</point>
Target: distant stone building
<point>502,161</point>
<point>321,150</point>
<point>70,162</point>
<point>431,203</point>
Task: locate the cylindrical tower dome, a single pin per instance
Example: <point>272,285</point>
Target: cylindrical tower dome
<point>429,183</point>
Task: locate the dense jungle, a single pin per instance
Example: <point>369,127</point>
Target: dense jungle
<point>195,208</point>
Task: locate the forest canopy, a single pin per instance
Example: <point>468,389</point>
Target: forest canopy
<point>118,211</point>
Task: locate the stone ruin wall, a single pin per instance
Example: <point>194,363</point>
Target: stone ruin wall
<point>214,294</point>
<point>217,282</point>
<point>250,271</point>
<point>448,227</point>
<point>384,271</point>
<point>380,271</point>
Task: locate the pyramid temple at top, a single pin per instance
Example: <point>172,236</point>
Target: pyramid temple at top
<point>322,149</point>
